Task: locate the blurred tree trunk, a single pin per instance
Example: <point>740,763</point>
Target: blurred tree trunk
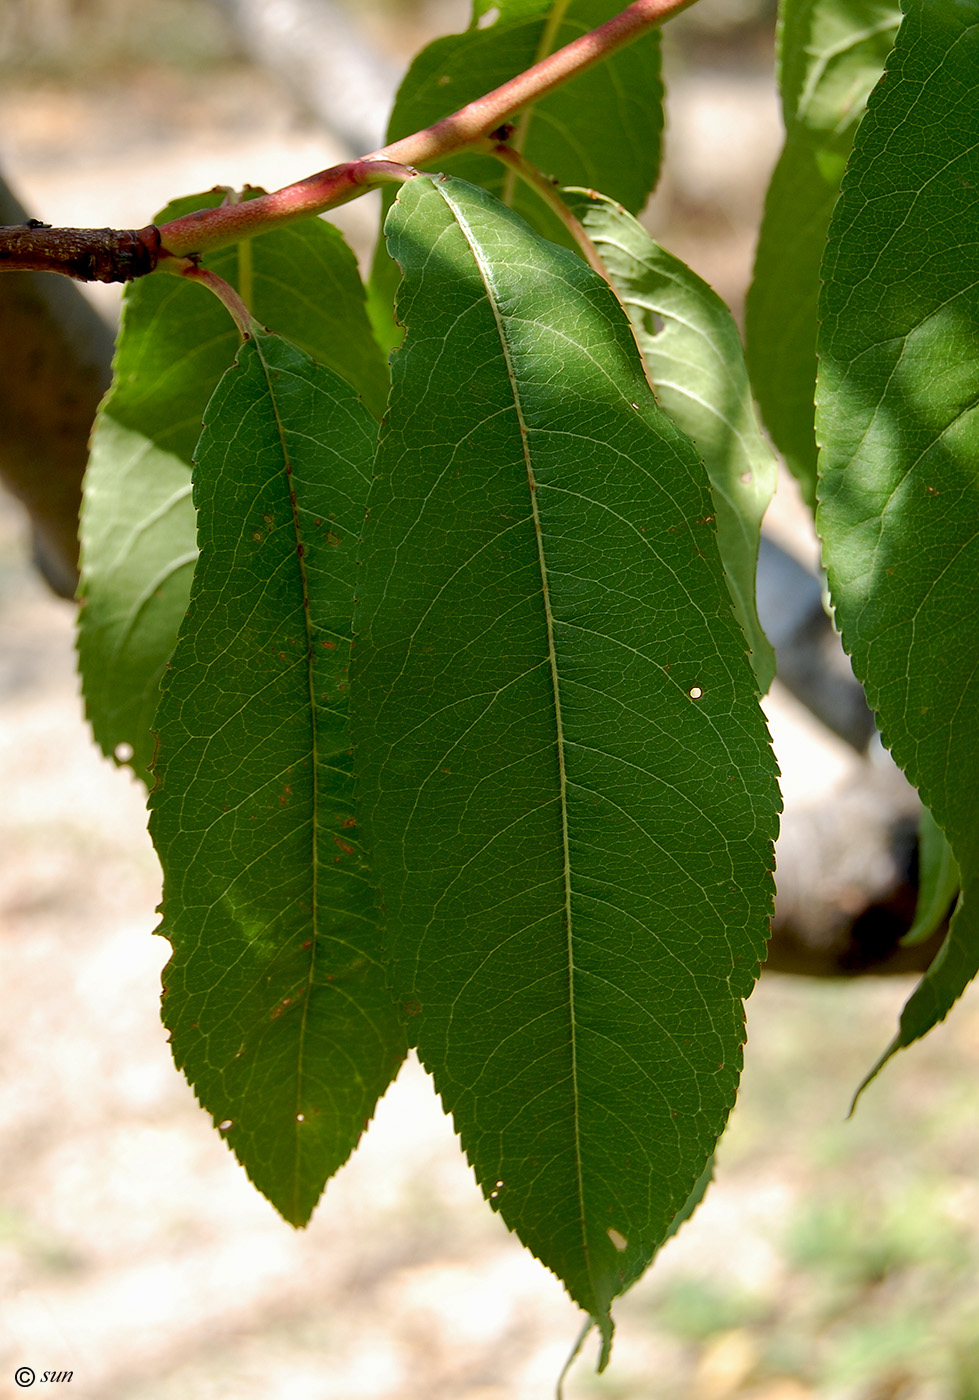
<point>55,359</point>
<point>847,879</point>
<point>319,49</point>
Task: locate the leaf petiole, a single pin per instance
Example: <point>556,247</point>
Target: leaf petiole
<point>226,294</point>
<point>521,168</point>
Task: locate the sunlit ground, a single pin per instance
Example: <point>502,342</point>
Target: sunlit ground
<point>832,1260</point>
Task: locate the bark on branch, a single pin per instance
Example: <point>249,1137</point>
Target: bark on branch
<point>55,363</point>
<point>85,254</point>
<point>108,255</point>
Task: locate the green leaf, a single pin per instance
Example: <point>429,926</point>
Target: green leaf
<point>564,768</point>
<point>693,352</point>
<point>137,526</point>
<point>938,880</point>
<point>275,996</point>
<point>616,147</point>
<point>693,1201</point>
<point>897,417</point>
<point>831,54</point>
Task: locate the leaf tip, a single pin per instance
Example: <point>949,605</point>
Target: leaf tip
<point>606,1328</point>
<point>868,1079</point>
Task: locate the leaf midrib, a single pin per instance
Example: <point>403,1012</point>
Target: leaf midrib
<point>486,276</point>
<point>314,762</point>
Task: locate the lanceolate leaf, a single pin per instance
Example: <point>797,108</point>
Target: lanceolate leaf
<point>275,997</point>
<point>831,53</point>
<point>617,149</point>
<point>564,768</point>
<point>137,529</point>
<point>693,353</point>
<point>897,417</point>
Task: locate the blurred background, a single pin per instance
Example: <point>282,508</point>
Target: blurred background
<point>832,1259</point>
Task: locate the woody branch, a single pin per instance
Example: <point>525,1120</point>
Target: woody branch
<point>113,255</point>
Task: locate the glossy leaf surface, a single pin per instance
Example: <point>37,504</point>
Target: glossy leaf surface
<point>137,530</point>
<point>695,360</point>
<point>275,997</point>
<point>897,416</point>
<point>565,772</point>
<point>831,53</point>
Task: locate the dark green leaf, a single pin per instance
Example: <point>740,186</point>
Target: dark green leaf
<point>614,146</point>
<point>275,998</point>
<point>897,417</point>
<point>137,528</point>
<point>565,770</point>
<point>831,54</point>
<point>693,352</point>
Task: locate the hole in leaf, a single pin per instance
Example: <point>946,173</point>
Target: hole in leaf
<point>223,1127</point>
<point>123,752</point>
<point>300,1117</point>
<point>651,323</point>
<point>618,1240</point>
<point>695,692</point>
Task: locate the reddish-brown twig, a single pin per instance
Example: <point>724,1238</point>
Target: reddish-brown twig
<point>109,255</point>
